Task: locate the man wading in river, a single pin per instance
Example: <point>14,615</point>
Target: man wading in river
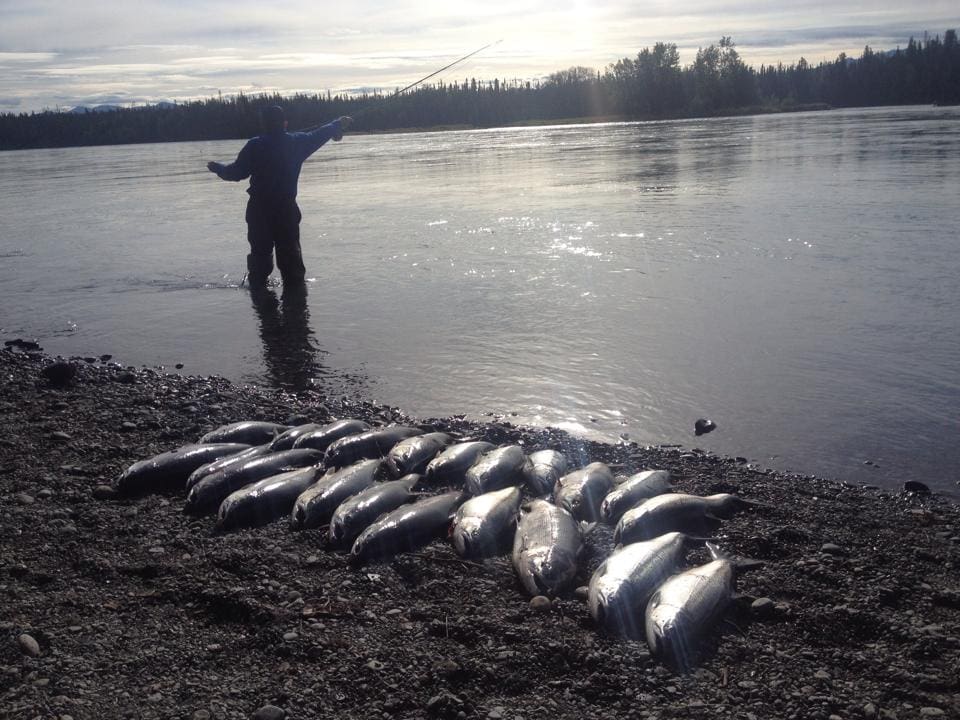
<point>272,161</point>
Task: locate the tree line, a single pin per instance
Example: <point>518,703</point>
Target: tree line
<point>652,85</point>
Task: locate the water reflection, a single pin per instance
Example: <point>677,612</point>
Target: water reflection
<point>290,352</point>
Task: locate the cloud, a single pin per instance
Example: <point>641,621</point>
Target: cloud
<point>60,51</point>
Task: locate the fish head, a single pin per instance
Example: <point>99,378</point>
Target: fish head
<point>465,536</point>
<point>298,517</point>
<point>669,632</point>
<point>551,570</point>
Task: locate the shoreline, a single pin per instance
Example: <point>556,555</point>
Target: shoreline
<point>139,611</point>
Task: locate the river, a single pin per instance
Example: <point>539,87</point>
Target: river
<point>792,277</point>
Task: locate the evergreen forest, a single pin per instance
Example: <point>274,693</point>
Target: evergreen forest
<point>652,85</point>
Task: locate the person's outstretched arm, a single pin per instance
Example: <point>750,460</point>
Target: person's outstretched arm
<point>238,170</point>
<point>317,138</point>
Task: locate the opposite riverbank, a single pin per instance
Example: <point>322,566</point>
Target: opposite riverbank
<point>137,610</point>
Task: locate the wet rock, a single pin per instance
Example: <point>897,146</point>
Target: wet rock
<point>832,549</point>
<point>704,426</point>
<point>103,492</point>
<point>60,373</point>
<point>763,607</point>
<point>914,486</point>
<point>540,604</point>
<point>269,712</point>
<point>125,378</point>
<point>28,645</point>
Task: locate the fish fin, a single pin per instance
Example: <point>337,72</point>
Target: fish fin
<point>740,564</point>
<point>743,564</point>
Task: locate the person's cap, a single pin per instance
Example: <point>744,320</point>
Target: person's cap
<point>273,115</point>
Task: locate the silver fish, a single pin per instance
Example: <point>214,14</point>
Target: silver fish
<point>286,440</point>
<point>497,469</point>
<point>316,504</point>
<point>685,607</point>
<point>325,435</point>
<point>622,585</point>
<point>676,511</point>
<point>411,456</point>
<point>452,464</point>
<point>483,523</point>
<point>208,493</point>
<point>545,469</point>
<point>633,491</point>
<point>249,432</point>
<point>368,445</point>
<point>546,548</point>
<point>169,470</point>
<point>407,528</point>
<point>264,501</point>
<point>582,491</point>
<point>357,513</point>
<point>226,461</point>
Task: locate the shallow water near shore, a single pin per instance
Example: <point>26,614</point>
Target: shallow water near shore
<point>792,277</point>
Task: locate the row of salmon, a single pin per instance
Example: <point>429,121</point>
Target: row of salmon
<point>330,476</point>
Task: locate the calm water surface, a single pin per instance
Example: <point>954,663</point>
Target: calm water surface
<point>792,277</point>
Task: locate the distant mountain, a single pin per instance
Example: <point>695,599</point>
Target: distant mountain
<point>81,109</point>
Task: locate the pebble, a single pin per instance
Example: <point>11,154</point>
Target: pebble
<point>581,593</point>
<point>23,499</point>
<point>832,549</point>
<point>127,378</point>
<point>290,636</point>
<point>28,646</point>
<point>201,715</point>
<point>932,712</point>
<point>103,492</point>
<point>869,710</point>
<point>61,436</point>
<point>821,675</point>
<point>496,713</point>
<point>269,712</point>
<point>763,607</point>
<point>540,603</point>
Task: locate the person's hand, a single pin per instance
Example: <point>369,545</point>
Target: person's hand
<point>214,167</point>
<point>344,121</point>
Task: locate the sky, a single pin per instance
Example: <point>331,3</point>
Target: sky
<point>62,53</point>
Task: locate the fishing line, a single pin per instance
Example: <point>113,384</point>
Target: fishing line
<point>412,85</point>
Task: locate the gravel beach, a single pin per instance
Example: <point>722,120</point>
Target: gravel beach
<point>120,608</point>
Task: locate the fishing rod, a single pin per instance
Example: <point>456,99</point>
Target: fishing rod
<point>412,85</point>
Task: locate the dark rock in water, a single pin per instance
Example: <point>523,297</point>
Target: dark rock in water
<point>704,426</point>
<point>60,373</point>
<point>179,366</point>
<point>23,344</point>
<point>105,357</point>
<point>916,487</point>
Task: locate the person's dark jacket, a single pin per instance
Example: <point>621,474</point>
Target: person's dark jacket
<point>273,160</point>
